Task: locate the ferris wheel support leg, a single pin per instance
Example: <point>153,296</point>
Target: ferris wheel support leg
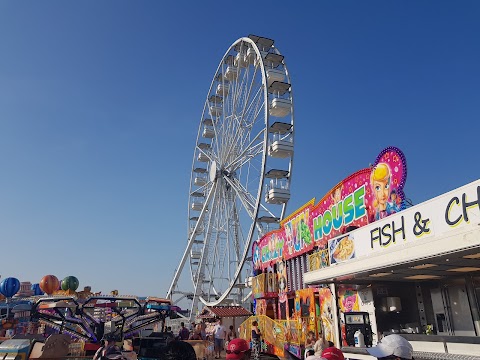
<point>189,247</point>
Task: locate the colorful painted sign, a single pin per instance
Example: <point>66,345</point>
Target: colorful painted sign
<point>341,249</point>
<point>445,224</point>
<point>421,223</point>
<point>258,286</point>
<point>326,313</point>
<point>282,277</point>
<point>305,311</point>
<point>348,300</point>
<point>271,248</point>
<point>298,231</point>
<point>366,196</point>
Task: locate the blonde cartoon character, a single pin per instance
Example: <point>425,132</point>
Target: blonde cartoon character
<point>380,181</point>
<point>336,195</point>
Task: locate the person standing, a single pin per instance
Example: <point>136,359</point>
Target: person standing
<point>230,335</point>
<point>220,333</point>
<point>256,343</point>
<point>183,334</point>
<point>203,330</point>
<point>393,347</point>
<point>196,334</point>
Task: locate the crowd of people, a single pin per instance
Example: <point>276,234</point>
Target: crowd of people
<point>391,347</point>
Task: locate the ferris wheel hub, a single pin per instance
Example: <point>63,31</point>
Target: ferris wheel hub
<point>213,171</point>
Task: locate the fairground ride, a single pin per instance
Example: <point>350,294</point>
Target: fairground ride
<point>241,172</point>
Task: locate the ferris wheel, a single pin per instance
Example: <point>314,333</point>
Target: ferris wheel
<point>241,171</point>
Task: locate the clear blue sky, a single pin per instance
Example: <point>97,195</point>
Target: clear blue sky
<point>100,103</point>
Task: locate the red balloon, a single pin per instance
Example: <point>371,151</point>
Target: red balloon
<point>49,284</point>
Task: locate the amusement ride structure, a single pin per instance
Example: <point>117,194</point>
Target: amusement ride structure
<point>241,172</point>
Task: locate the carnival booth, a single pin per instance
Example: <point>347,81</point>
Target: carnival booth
<point>230,315</point>
<point>285,306</point>
<point>416,273</point>
<point>362,263</point>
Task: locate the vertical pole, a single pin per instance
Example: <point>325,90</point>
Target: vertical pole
<point>336,327</point>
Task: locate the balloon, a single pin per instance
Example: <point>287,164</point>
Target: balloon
<point>9,287</point>
<point>49,284</point>
<point>36,289</point>
<point>70,283</point>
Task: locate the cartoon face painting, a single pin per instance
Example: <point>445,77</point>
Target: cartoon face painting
<point>337,195</point>
<point>380,180</point>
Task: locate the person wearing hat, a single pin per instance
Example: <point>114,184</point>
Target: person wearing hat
<point>238,349</point>
<point>393,347</point>
<point>109,347</point>
<point>332,353</point>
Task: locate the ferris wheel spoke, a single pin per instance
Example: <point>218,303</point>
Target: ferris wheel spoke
<point>244,197</point>
<point>255,100</point>
<point>257,150</point>
<point>203,188</point>
<point>250,151</point>
<point>242,136</point>
<point>248,93</point>
<point>240,126</point>
<point>256,112</point>
<point>266,210</point>
<point>237,93</point>
<point>250,198</point>
<point>220,210</point>
<point>236,239</point>
<point>210,155</point>
<point>238,87</point>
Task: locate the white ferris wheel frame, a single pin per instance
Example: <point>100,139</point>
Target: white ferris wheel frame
<point>215,176</point>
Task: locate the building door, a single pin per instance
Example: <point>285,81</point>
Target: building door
<point>460,310</point>
<point>451,308</point>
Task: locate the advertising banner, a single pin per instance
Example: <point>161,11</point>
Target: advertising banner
<point>453,211</point>
<point>363,197</point>
<point>348,300</point>
<point>326,313</point>
<point>298,231</point>
<point>366,196</point>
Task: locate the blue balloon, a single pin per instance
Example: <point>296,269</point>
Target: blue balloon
<point>9,287</point>
<point>36,289</point>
